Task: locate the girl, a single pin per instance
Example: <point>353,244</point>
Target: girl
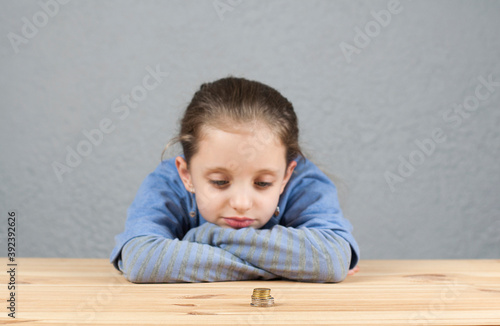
<point>241,203</point>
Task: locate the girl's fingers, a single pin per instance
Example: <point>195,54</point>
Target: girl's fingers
<point>353,271</point>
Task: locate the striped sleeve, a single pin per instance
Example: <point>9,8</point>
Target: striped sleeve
<point>155,259</point>
<point>301,254</point>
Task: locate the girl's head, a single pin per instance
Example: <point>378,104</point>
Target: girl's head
<point>239,139</point>
<point>230,102</point>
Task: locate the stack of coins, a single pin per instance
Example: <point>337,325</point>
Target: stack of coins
<point>261,297</point>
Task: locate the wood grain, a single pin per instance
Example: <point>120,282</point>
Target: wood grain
<point>385,292</point>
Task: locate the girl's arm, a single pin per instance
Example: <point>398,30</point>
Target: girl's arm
<point>302,254</point>
<point>154,259</point>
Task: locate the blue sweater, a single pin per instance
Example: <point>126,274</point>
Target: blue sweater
<point>167,240</point>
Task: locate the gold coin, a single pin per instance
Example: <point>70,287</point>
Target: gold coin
<point>261,297</point>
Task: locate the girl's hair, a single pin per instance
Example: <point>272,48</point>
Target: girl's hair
<point>229,102</point>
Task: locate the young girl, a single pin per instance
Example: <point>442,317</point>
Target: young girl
<point>241,203</point>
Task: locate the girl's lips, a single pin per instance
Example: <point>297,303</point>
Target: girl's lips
<point>238,223</point>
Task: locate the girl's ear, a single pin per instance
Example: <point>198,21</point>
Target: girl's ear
<point>184,173</point>
<point>288,174</point>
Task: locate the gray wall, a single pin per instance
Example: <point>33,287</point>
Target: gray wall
<point>364,104</point>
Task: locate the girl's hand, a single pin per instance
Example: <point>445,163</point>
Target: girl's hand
<point>353,271</point>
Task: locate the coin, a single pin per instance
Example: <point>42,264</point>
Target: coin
<point>261,297</point>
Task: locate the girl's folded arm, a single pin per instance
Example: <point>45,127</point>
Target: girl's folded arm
<point>155,259</point>
<point>302,254</point>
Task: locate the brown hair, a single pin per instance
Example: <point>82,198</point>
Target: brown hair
<point>232,101</point>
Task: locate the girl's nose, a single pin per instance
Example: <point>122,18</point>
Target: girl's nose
<point>241,201</point>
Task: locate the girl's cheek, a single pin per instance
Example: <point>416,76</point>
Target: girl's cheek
<point>207,197</point>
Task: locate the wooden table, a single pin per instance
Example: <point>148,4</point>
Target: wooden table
<point>399,292</point>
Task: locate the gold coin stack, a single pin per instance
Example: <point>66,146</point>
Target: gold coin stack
<point>261,297</point>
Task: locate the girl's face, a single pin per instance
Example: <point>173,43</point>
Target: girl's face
<point>237,176</point>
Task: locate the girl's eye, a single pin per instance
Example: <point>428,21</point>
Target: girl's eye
<point>264,184</point>
<point>222,183</point>
<point>219,183</point>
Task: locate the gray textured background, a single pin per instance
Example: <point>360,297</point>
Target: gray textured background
<point>357,118</point>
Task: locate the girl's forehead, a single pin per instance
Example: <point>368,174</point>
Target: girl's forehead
<point>240,150</point>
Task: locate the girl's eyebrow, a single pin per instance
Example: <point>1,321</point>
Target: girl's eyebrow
<point>267,171</point>
<point>216,169</point>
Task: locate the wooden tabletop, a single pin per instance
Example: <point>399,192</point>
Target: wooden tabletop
<point>53,291</point>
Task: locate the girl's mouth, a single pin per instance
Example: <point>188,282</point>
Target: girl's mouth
<point>238,222</point>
